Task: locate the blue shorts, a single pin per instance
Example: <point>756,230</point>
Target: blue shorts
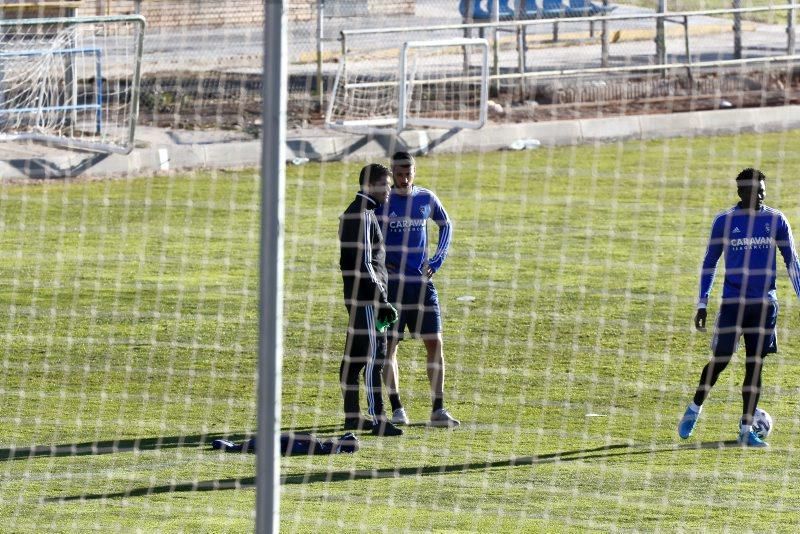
<point>755,321</point>
<point>418,307</point>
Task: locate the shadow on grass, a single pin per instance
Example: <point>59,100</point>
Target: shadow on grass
<point>91,448</point>
<point>586,455</point>
<point>42,168</point>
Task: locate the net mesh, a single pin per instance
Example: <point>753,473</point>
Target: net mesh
<point>70,82</point>
<point>366,92</point>
<point>129,304</point>
<point>444,86</point>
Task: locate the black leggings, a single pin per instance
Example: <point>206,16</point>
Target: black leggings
<point>751,386</point>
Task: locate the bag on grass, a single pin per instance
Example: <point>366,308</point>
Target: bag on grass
<point>296,444</point>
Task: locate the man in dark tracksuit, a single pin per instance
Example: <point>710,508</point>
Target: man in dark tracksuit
<point>363,265</point>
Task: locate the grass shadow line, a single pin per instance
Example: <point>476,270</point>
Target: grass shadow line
<point>327,476</point>
<point>94,448</point>
<point>596,453</point>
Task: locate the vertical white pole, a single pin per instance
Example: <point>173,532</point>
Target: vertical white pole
<point>270,346</point>
<point>484,86</point>
<point>402,102</point>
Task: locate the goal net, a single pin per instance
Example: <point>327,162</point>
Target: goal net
<point>436,83</point>
<point>71,81</point>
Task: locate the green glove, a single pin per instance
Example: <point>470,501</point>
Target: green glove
<point>387,316</point>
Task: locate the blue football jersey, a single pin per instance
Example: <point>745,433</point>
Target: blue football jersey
<point>749,240</point>
<point>404,222</point>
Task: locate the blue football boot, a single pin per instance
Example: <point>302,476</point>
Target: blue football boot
<point>751,439</point>
<point>687,423</point>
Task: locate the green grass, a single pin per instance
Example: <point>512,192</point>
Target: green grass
<point>129,313</point>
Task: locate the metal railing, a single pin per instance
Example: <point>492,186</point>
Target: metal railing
<point>659,60</point>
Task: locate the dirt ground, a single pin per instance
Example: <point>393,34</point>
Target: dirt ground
<point>233,102</point>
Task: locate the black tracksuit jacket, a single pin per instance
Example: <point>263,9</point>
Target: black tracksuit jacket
<point>363,255</point>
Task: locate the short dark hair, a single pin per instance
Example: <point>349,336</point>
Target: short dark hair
<point>402,158</point>
<point>372,173</point>
<point>749,177</point>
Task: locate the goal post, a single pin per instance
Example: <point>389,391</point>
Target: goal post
<point>71,82</point>
<point>441,90</point>
<point>437,83</point>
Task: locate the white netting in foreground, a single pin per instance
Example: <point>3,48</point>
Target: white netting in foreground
<point>129,306</point>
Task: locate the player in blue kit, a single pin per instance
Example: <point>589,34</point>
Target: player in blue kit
<point>749,236</point>
<point>411,290</point>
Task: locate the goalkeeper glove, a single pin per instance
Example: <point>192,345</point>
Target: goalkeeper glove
<point>700,319</point>
<point>387,315</point>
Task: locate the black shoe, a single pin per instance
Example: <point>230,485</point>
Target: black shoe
<point>357,423</point>
<point>385,428</point>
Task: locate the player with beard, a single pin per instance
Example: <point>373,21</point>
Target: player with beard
<point>411,289</point>
<point>364,277</point>
<point>749,235</point>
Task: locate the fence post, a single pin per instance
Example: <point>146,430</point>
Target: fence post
<point>343,37</point>
<point>521,47</point>
<point>604,38</point>
<point>320,17</point>
<point>496,44</point>
<point>661,43</point>
<point>737,31</point>
<point>688,52</point>
<point>790,31</point>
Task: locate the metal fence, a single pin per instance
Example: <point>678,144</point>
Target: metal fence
<point>619,52</point>
<point>328,18</point>
<point>625,39</point>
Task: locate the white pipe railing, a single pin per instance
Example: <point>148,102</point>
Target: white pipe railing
<point>657,17</point>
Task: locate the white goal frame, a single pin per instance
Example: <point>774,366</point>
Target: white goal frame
<point>99,140</point>
<point>407,87</point>
<point>406,81</point>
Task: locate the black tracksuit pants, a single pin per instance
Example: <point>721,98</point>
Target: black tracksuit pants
<point>365,350</point>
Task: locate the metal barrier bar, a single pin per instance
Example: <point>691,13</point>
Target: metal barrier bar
<point>65,21</point>
<point>646,68</point>
<point>26,53</point>
<point>610,70</point>
<point>79,107</point>
<point>540,22</point>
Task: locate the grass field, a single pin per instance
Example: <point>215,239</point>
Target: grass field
<point>129,313</point>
